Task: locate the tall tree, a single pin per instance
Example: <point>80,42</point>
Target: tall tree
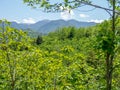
<point>39,40</point>
<point>71,4</point>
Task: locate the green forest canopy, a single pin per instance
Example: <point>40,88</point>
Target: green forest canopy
<point>69,58</point>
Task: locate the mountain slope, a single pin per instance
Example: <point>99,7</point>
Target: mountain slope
<point>47,26</point>
<point>53,25</point>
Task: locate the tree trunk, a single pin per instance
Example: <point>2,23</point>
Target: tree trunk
<point>109,71</point>
<point>109,55</point>
<point>108,86</point>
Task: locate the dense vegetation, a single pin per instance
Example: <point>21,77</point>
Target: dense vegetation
<point>67,59</point>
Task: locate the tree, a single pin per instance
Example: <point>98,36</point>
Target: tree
<point>71,33</point>
<point>11,41</point>
<point>39,40</point>
<point>110,41</point>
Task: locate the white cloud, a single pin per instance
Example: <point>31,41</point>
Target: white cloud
<point>84,15</point>
<point>96,21</point>
<point>66,15</point>
<point>16,21</point>
<point>29,21</point>
<point>61,7</point>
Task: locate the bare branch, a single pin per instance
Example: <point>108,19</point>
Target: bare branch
<point>106,9</point>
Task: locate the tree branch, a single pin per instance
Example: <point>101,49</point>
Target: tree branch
<point>106,9</point>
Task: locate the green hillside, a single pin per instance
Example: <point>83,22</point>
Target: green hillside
<point>67,59</point>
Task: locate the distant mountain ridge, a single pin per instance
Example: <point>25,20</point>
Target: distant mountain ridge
<point>46,26</point>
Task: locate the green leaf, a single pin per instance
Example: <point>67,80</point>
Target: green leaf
<point>66,1</point>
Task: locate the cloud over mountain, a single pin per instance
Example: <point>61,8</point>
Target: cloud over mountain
<point>66,15</point>
<point>96,20</point>
<point>29,21</point>
<point>83,16</point>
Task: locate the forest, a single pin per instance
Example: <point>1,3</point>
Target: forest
<point>67,59</point>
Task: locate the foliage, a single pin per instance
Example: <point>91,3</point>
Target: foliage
<point>68,59</point>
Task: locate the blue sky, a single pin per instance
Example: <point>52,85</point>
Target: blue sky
<point>15,10</point>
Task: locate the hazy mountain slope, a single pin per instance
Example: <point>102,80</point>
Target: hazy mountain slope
<point>53,25</point>
<point>46,26</point>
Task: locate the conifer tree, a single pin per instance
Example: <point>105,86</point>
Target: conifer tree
<point>39,40</point>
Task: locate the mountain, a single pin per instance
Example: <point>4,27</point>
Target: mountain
<point>46,26</point>
<point>38,24</point>
<point>20,25</point>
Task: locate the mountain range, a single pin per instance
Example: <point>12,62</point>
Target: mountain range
<point>46,26</point>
